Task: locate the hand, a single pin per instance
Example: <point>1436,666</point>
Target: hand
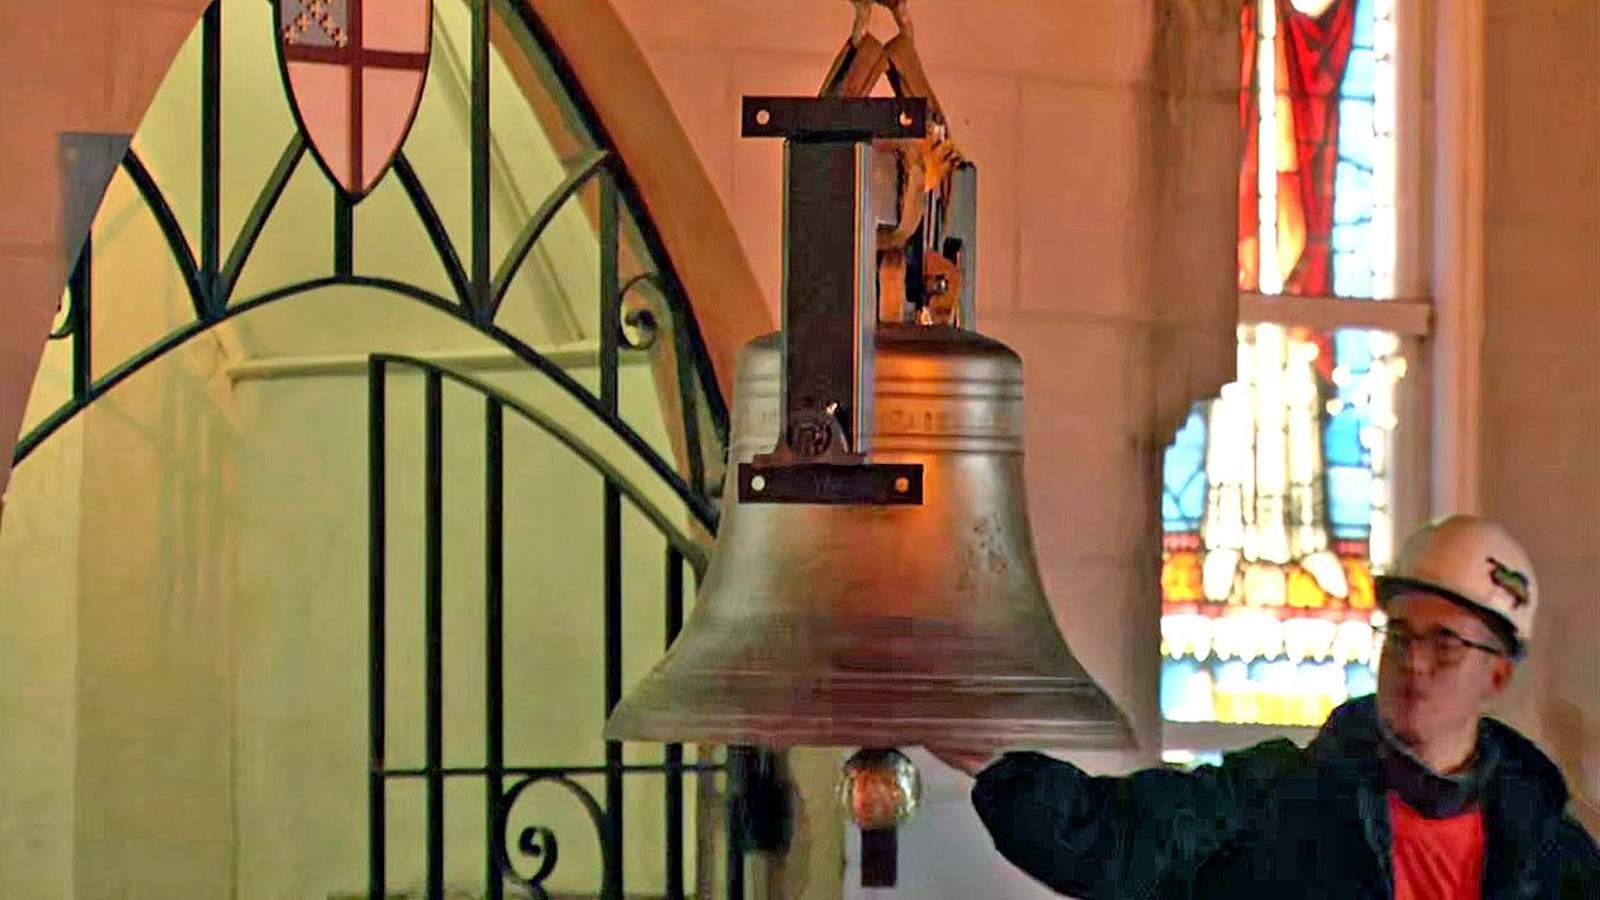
<point>969,761</point>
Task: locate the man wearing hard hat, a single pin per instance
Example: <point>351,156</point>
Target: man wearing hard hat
<point>1412,794</point>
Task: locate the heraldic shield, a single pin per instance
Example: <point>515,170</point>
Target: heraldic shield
<point>355,71</point>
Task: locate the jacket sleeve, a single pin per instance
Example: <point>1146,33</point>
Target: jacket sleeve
<point>1580,861</point>
<point>1103,838</point>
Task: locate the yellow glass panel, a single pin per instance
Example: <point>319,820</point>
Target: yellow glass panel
<point>1180,577</point>
<point>1304,592</point>
<point>1359,574</point>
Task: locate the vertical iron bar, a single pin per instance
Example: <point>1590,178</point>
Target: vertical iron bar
<point>674,761</point>
<point>434,624</point>
<point>494,660</point>
<point>81,285</point>
<point>482,287</point>
<point>211,153</point>
<point>735,760</point>
<point>610,331</point>
<point>344,233</point>
<point>376,600</point>
<point>610,302</point>
<point>689,397</point>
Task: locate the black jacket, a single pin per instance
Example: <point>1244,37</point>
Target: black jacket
<point>1273,821</point>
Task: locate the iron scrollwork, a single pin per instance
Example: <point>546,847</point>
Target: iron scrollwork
<point>539,842</point>
<point>640,323</point>
<point>66,321</point>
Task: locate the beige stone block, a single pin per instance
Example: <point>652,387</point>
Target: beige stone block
<point>1083,494</point>
<point>1199,56</point>
<point>1541,287</point>
<point>730,24</point>
<point>1069,365</point>
<point>1080,155</point>
<point>783,74</point>
<point>1081,151</point>
<point>145,39</point>
<point>31,39</point>
<point>1541,475</point>
<point>29,176</point>
<point>1499,12</point>
<point>1099,41</point>
<point>1543,112</point>
<point>699,86</point>
<point>1204,140</point>
<point>1092,270</point>
<point>1193,256</point>
<point>1543,483</point>
<point>1549,336</point>
<point>1087,41</point>
<point>982,110</point>
<point>757,213</point>
<point>1544,376</point>
<point>1565,637</point>
<point>63,44</point>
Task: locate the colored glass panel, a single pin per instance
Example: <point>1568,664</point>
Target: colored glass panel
<point>1276,500</point>
<point>1276,505</point>
<point>1183,480</point>
<point>1316,187</point>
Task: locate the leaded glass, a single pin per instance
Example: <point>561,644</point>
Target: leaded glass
<point>1277,495</point>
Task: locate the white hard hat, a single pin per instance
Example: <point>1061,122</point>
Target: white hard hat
<point>1474,562</point>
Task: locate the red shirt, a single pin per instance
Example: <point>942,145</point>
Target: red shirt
<point>1436,859</point>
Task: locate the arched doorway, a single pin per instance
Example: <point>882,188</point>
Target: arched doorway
<point>212,365</point>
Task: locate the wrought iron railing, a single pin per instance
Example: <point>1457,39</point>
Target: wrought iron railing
<point>505,783</point>
<point>210,273</point>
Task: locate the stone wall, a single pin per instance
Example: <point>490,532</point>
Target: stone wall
<point>1541,374</point>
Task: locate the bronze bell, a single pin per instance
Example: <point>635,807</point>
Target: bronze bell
<point>873,582</point>
<point>882,626</point>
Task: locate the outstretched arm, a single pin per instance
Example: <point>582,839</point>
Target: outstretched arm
<point>1100,837</point>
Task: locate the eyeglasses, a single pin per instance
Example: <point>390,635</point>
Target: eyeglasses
<point>1443,646</point>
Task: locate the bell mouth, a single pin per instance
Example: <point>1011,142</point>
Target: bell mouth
<point>871,710</point>
<point>871,681</point>
<point>885,681</point>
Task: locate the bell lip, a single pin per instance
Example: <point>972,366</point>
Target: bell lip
<point>727,705</point>
<point>943,733</point>
<point>726,726</point>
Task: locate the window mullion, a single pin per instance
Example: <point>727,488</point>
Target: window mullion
<point>1409,317</point>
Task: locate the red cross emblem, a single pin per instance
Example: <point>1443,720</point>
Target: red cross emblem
<point>355,70</point>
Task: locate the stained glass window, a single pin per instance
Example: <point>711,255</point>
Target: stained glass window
<point>1277,495</point>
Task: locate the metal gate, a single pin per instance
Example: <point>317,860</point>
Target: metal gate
<point>211,272</point>
<point>505,782</point>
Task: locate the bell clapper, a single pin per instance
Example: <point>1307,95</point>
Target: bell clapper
<point>879,790</point>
